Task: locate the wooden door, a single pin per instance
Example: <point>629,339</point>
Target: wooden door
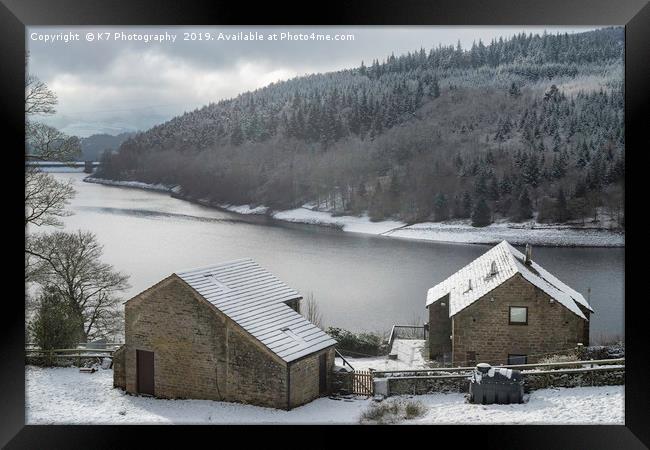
<point>144,363</point>
<point>322,373</point>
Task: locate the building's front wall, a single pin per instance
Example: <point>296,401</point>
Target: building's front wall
<point>305,380</point>
<point>482,333</point>
<point>254,376</point>
<point>198,352</point>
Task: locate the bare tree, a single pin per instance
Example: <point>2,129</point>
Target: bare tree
<point>45,198</point>
<point>312,311</point>
<point>46,143</point>
<point>70,265</point>
<point>39,98</point>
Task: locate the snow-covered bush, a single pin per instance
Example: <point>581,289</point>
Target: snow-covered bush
<point>559,358</point>
<point>364,343</point>
<point>393,411</point>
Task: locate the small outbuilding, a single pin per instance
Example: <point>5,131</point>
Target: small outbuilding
<point>503,308</point>
<point>229,332</point>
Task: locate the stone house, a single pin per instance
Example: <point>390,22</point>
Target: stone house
<point>229,332</point>
<point>503,308</point>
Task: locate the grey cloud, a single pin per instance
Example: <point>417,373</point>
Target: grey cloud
<point>109,84</point>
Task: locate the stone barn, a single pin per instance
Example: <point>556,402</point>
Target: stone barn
<point>503,308</point>
<point>229,332</point>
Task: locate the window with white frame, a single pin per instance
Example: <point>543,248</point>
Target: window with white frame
<point>518,315</point>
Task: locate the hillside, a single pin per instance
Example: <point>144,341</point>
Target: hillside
<point>93,146</point>
<point>531,125</point>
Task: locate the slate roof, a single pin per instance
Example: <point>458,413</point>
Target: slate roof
<point>255,299</point>
<point>508,261</point>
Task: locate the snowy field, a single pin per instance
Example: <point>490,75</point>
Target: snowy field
<point>460,231</point>
<point>66,396</point>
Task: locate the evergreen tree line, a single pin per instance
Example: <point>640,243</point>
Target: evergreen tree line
<point>400,139</point>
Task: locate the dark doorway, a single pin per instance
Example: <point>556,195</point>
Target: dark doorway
<point>144,363</point>
<point>322,373</point>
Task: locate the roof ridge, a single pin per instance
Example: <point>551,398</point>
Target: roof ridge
<point>549,278</point>
<point>253,297</point>
<point>214,266</point>
<point>514,262</point>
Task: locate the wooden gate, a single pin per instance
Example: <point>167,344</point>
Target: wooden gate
<point>362,383</point>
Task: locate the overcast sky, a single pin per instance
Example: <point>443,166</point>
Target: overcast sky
<point>116,85</point>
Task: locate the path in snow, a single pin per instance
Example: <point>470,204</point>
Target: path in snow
<point>409,356</point>
<point>66,396</point>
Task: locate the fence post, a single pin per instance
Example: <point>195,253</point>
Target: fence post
<point>50,356</point>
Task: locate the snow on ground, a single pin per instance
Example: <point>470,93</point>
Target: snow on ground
<point>244,209</point>
<point>65,396</point>
<point>409,356</point>
<point>460,231</point>
<point>516,234</point>
<point>582,405</point>
<point>351,224</point>
<point>131,184</point>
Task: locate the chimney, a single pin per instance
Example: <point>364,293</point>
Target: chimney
<point>529,255</point>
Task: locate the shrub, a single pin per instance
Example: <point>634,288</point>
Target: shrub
<point>392,411</point>
<point>55,325</point>
<point>413,409</point>
<point>364,343</point>
<point>559,358</point>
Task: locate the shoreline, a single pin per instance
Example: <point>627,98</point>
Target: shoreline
<point>458,231</point>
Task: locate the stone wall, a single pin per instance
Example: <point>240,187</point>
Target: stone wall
<point>600,378</point>
<point>254,375</point>
<point>482,330</point>
<point>305,380</point>
<point>198,351</point>
<point>420,386</point>
<point>532,382</point>
<point>119,375</point>
<point>342,382</point>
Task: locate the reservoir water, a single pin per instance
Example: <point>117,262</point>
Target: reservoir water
<point>360,282</point>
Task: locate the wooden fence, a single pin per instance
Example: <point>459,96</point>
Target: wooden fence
<point>465,371</point>
<point>75,354</point>
<point>362,382</point>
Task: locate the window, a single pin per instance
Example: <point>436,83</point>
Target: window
<point>518,315</point>
<point>514,360</point>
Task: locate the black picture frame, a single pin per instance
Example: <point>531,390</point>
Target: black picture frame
<point>16,14</point>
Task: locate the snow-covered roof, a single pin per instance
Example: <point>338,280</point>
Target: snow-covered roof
<point>494,267</point>
<point>255,299</point>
